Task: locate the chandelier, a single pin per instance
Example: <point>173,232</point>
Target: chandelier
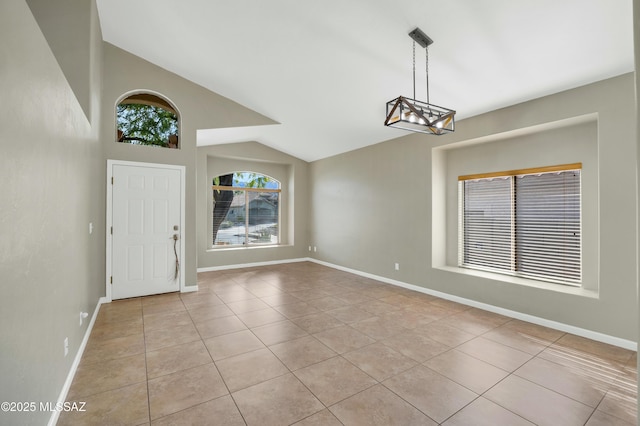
<point>418,116</point>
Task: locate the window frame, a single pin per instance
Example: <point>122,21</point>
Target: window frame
<point>246,191</point>
<point>512,175</point>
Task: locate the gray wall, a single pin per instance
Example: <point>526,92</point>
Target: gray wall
<point>396,202</point>
<point>51,165</point>
<point>199,109</point>
<point>252,156</point>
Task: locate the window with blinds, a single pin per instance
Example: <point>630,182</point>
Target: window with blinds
<point>525,223</point>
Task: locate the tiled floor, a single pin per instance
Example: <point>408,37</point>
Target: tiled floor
<point>302,343</point>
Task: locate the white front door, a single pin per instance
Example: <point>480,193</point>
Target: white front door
<point>146,234</point>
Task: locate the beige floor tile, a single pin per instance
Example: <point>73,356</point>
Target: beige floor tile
<point>407,318</point>
<point>518,340</point>
<point>123,406</point>
<point>244,306</point>
<point>250,368</point>
<point>544,333</point>
<point>327,303</point>
<point>175,358</point>
<point>184,389</point>
<point>220,411</point>
<point>378,328</point>
<point>279,401</point>
<point>379,361</point>
<point>321,418</point>
<point>350,314</point>
<point>219,326</point>
<point>465,321</point>
<point>200,300</point>
<point>120,310</point>
<point>354,298</point>
<point>538,404</point>
<point>601,350</point>
<point>620,405</point>
<point>264,290</point>
<point>203,313</point>
<point>100,377</point>
<point>159,298</point>
<point>166,320</point>
<point>446,334</point>
<point>309,294</point>
<point>415,345</point>
<point>400,300</point>
<point>302,352</point>
<point>280,299</point>
<point>174,305</point>
<point>261,317</point>
<point>165,337</point>
<point>343,339</point>
<point>232,344</point>
<point>483,412</point>
<point>377,307</point>
<point>585,363</point>
<point>109,330</point>
<point>316,323</point>
<point>439,400</point>
<point>119,347</point>
<point>378,406</point>
<point>278,332</point>
<point>429,311</point>
<point>466,370</point>
<point>569,382</point>
<point>235,294</point>
<point>298,309</point>
<point>599,418</point>
<point>334,380</point>
<point>494,353</point>
<point>449,305</point>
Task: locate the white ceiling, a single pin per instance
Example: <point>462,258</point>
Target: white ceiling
<point>325,69</point>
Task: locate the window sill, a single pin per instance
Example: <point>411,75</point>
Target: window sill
<point>235,248</point>
<point>559,288</point>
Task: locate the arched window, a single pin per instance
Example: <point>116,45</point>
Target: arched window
<point>147,119</point>
<point>246,209</point>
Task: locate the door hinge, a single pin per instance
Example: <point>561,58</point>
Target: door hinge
<point>111,180</point>
<point>111,280</point>
<point>112,230</point>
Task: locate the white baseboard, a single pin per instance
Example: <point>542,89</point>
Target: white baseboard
<point>250,265</point>
<point>55,414</point>
<point>189,289</point>
<point>589,334</point>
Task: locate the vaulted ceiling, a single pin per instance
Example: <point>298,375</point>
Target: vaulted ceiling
<point>325,69</point>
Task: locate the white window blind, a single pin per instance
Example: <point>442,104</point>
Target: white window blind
<point>525,223</point>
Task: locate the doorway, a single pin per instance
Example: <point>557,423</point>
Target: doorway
<point>145,222</point>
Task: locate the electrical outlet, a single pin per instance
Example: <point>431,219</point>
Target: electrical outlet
<point>83,315</point>
<point>66,346</point>
<point>90,227</point>
<point>397,266</point>
<point>315,249</point>
<point>309,248</point>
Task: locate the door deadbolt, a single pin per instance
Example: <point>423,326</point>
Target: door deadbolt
<point>175,227</point>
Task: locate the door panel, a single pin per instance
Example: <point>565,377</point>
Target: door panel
<point>146,207</point>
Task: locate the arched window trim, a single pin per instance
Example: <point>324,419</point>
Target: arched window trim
<point>164,103</point>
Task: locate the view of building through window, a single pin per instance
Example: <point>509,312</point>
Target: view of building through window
<point>246,209</point>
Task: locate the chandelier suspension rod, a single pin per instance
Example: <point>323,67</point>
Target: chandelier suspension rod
<point>427,70</point>
<point>414,69</point>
